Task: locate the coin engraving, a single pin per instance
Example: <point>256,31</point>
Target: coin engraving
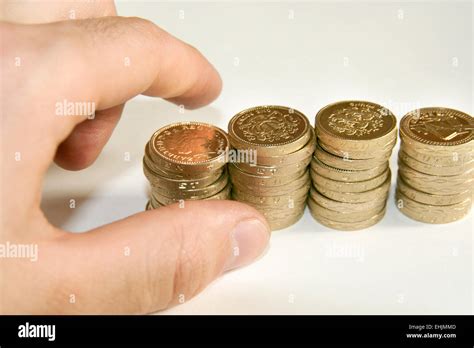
<point>356,120</point>
<point>190,143</point>
<point>269,125</point>
<point>272,127</point>
<point>186,161</point>
<point>438,126</point>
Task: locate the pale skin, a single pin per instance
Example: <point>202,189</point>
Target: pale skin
<point>171,257</point>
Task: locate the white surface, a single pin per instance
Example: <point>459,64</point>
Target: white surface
<point>327,52</point>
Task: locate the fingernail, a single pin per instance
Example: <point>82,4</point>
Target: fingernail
<point>249,239</point>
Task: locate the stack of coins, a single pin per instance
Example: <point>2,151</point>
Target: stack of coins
<point>186,161</point>
<point>279,142</point>
<point>435,165</point>
<point>350,170</point>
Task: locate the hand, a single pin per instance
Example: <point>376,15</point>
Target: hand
<point>171,256</point>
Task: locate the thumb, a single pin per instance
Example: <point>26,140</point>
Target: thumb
<point>158,258</point>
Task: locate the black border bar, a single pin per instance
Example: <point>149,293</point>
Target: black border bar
<point>160,330</point>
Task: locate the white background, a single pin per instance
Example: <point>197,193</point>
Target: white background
<point>305,55</point>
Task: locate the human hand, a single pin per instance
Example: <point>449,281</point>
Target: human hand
<point>171,256</point>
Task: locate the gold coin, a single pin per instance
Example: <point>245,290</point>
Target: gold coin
<point>436,184</point>
<point>347,226</point>
<point>367,154</point>
<point>348,164</point>
<point>356,125</point>
<point>297,195</point>
<point>164,200</point>
<point>445,131</point>
<point>154,204</point>
<point>344,174</point>
<point>240,177</point>
<point>279,212</point>
<point>264,191</point>
<point>376,204</point>
<point>357,197</point>
<point>427,198</point>
<point>281,218</point>
<point>291,158</point>
<point>290,204</point>
<point>433,158</point>
<point>281,223</point>
<point>171,184</point>
<point>433,214</point>
<point>278,204</point>
<point>432,169</point>
<point>202,192</point>
<point>169,174</point>
<point>270,130</point>
<point>147,159</point>
<point>189,147</point>
<point>349,186</point>
<point>224,194</point>
<point>273,170</point>
<point>148,206</point>
<point>342,215</point>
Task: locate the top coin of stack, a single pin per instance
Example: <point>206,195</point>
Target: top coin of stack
<point>436,165</point>
<point>273,146</point>
<point>186,160</point>
<point>350,171</point>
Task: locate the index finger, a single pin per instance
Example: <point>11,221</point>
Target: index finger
<point>112,59</point>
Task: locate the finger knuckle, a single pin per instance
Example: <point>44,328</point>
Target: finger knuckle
<point>146,30</point>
